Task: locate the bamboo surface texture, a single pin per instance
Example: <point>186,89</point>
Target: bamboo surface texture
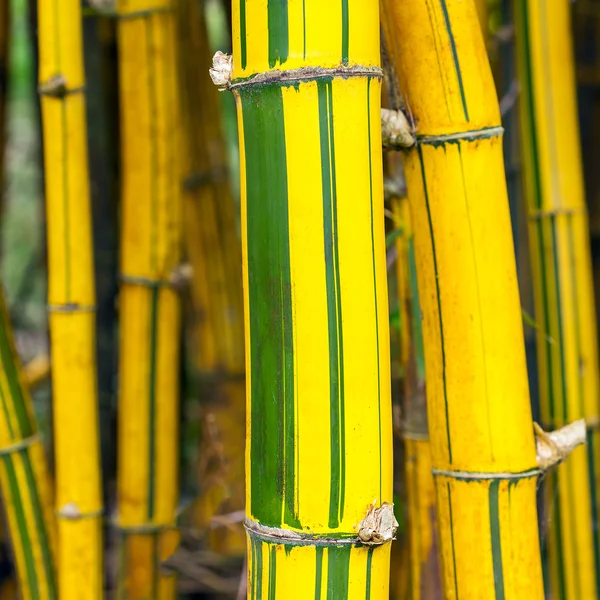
<point>563,287</point>
<point>149,305</point>
<point>319,446</point>
<point>24,479</point>
<point>482,445</point>
<point>213,249</point>
<point>425,581</point>
<point>71,302</point>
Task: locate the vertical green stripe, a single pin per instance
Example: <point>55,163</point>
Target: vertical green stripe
<point>439,301</point>
<point>345,32</point>
<point>369,572</point>
<point>243,43</point>
<point>259,569</point>
<point>278,31</point>
<point>270,319</point>
<point>375,299</point>
<point>417,330</point>
<point>455,58</point>
<point>454,573</point>
<point>8,359</point>
<point>338,572</point>
<point>558,292</point>
<point>66,199</point>
<point>152,399</point>
<point>576,316</point>
<point>272,573</point>
<point>318,572</point>
<point>334,307</point>
<point>557,524</point>
<point>591,455</point>
<point>496,541</point>
<point>40,525</point>
<point>21,521</point>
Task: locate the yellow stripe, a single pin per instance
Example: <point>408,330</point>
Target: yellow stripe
<point>311,343</point>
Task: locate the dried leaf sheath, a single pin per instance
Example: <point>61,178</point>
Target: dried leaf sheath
<point>483,451</point>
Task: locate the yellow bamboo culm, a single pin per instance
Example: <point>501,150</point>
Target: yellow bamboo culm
<point>425,582</point>
<point>563,287</point>
<point>214,251</point>
<point>149,305</point>
<point>24,479</point>
<point>482,444</point>
<point>307,83</point>
<point>71,302</point>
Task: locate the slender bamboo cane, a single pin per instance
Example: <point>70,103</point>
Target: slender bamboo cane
<point>424,562</point>
<point>213,247</point>
<point>24,478</point>
<point>563,287</point>
<point>319,447</point>
<point>71,302</point>
<point>482,445</point>
<point>149,303</point>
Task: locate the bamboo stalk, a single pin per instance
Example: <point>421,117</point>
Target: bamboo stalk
<point>420,490</point>
<point>213,248</point>
<point>150,316</point>
<point>319,446</point>
<point>482,444</point>
<point>71,302</point>
<point>563,287</point>
<point>24,478</point>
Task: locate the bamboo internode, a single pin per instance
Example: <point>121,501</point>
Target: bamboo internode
<point>563,287</point>
<point>482,443</point>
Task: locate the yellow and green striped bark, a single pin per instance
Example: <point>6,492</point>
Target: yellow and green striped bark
<point>213,249</point>
<point>24,479</point>
<point>563,287</point>
<point>149,304</point>
<point>319,447</point>
<point>71,302</point>
<point>482,444</point>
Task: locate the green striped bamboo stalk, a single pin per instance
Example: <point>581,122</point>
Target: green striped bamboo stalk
<point>150,312</point>
<point>24,478</point>
<point>319,447</point>
<point>479,417</point>
<point>563,287</point>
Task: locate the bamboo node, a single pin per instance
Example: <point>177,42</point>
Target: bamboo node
<point>72,512</point>
<point>379,525</point>
<point>181,275</point>
<point>295,77</point>
<point>20,445</point>
<point>554,447</point>
<point>396,130</point>
<point>56,87</point>
<point>221,70</point>
<point>103,6</point>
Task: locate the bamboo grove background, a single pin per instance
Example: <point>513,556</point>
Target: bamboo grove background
<point>149,225</point>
